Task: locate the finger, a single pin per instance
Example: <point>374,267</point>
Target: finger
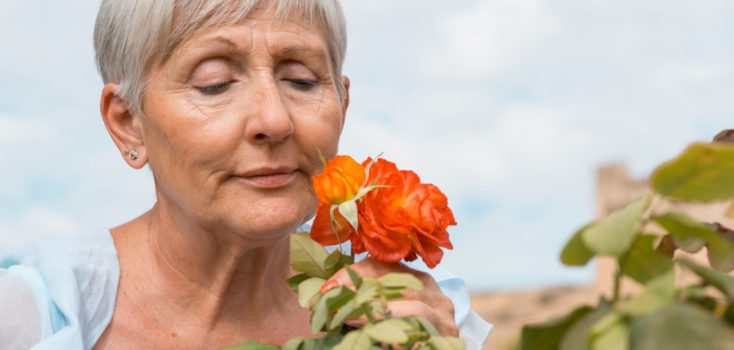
<point>358,322</point>
<point>441,319</point>
<point>373,268</point>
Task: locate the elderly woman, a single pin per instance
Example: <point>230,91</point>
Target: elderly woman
<point>230,103</point>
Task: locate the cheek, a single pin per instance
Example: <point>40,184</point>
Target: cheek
<point>319,128</point>
<point>181,140</point>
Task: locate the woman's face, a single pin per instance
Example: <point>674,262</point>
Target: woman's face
<point>235,121</point>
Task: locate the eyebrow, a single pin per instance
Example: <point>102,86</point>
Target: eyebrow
<point>223,40</point>
<point>302,50</point>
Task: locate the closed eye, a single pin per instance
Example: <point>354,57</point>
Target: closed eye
<point>303,85</point>
<point>214,89</point>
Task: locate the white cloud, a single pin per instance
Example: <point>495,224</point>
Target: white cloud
<point>507,105</point>
<point>489,37</point>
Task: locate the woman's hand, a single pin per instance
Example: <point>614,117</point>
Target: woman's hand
<point>430,304</point>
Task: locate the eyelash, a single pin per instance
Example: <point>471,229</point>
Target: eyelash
<point>303,85</point>
<point>214,89</point>
<point>300,84</point>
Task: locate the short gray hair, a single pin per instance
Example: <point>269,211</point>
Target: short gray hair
<point>133,36</point>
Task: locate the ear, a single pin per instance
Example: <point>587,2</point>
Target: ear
<point>345,103</point>
<point>124,127</point>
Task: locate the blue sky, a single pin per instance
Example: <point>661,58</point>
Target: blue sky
<point>507,105</point>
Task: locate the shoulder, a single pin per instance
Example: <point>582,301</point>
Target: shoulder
<point>63,251</point>
<point>75,279</point>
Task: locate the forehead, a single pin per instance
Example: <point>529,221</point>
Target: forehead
<point>282,38</point>
<point>266,15</point>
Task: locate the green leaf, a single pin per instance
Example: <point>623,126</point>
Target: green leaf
<point>614,234</point>
<point>605,323</point>
<point>721,281</point>
<point>427,326</point>
<point>336,261</point>
<point>355,340</point>
<point>350,310</point>
<point>334,302</point>
<point>686,232</point>
<point>308,256</point>
<point>729,314</point>
<point>401,280</point>
<point>643,263</point>
<point>691,235</point>
<point>575,253</point>
<point>658,293</point>
<point>548,335</point>
<point>320,314</point>
<point>252,345</point>
<point>295,280</point>
<point>346,260</point>
<point>447,343</point>
<point>577,336</point>
<point>309,290</point>
<point>610,333</point>
<point>293,344</point>
<point>367,290</point>
<point>356,279</point>
<point>681,326</point>
<point>703,172</point>
<point>720,260</point>
<point>704,301</point>
<point>389,331</point>
<point>328,342</point>
<point>348,210</point>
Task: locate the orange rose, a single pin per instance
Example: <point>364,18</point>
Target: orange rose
<point>403,220</point>
<point>340,181</point>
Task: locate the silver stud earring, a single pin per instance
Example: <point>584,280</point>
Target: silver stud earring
<point>133,154</point>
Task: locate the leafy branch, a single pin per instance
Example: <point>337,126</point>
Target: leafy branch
<point>369,297</point>
<point>663,315</point>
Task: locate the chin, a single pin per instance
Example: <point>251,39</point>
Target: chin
<point>271,221</point>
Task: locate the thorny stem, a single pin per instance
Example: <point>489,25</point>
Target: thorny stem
<point>368,313</point>
<point>617,280</point>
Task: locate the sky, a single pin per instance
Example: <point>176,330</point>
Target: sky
<point>508,106</point>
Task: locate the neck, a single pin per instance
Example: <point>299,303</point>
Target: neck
<point>212,277</point>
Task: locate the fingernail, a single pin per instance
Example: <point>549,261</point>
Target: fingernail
<point>328,285</point>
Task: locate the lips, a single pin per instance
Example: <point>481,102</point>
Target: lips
<point>270,177</point>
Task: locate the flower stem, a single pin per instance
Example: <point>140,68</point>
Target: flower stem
<point>617,280</point>
<point>368,313</point>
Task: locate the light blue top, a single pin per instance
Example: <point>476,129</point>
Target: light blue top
<point>71,284</point>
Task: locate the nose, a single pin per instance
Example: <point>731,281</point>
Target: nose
<point>270,121</point>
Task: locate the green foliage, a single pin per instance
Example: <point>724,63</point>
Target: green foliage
<point>614,235</point>
<point>661,316</point>
<point>681,326</point>
<point>575,253</point>
<point>313,260</point>
<point>703,173</point>
<point>368,298</point>
<point>547,336</point>
<point>643,263</point>
<point>691,236</point>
